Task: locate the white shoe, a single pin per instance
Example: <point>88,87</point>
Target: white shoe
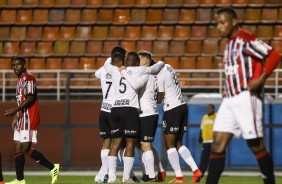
<point>130,180</point>
<point>15,181</point>
<point>111,180</point>
<point>101,179</point>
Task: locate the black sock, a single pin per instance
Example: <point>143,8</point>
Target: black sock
<point>39,158</point>
<point>1,175</point>
<point>19,162</point>
<point>216,167</point>
<point>266,166</point>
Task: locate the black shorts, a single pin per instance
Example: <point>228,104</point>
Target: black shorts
<point>125,122</point>
<point>175,120</point>
<point>148,127</point>
<point>105,124</point>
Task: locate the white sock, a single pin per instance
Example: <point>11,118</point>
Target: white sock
<point>149,163</point>
<point>104,168</point>
<point>112,161</point>
<point>157,160</point>
<point>128,164</point>
<point>187,157</point>
<point>174,161</point>
<point>144,165</point>
<point>141,161</point>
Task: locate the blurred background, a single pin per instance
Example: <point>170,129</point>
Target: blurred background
<point>65,41</point>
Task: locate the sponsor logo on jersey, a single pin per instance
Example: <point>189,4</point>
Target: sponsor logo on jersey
<point>106,106</point>
<point>148,138</point>
<point>102,133</point>
<point>122,102</point>
<point>129,132</point>
<point>108,76</point>
<point>114,131</point>
<point>174,129</point>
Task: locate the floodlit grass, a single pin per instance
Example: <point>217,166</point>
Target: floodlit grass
<point>89,179</point>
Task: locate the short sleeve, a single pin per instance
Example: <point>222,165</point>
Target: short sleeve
<point>98,73</point>
<point>258,49</point>
<point>30,88</point>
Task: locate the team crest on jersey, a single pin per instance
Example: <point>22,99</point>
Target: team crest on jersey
<point>108,76</point>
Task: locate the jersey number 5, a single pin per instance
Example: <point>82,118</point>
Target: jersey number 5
<point>109,87</point>
<point>122,84</point>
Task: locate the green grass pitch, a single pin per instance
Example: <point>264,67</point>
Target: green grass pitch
<point>89,179</point>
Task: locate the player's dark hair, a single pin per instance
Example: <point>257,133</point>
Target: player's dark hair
<point>212,105</point>
<point>119,50</point>
<point>134,54</point>
<point>152,62</point>
<point>22,59</point>
<point>228,10</point>
<point>116,55</point>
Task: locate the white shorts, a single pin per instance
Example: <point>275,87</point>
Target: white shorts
<point>240,115</point>
<point>25,136</point>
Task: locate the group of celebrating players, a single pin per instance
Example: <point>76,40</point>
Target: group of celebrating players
<point>133,84</point>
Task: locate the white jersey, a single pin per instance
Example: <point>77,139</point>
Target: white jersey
<point>107,89</point>
<point>168,83</point>
<point>126,95</point>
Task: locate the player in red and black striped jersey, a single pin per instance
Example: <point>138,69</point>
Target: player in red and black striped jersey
<point>248,63</point>
<point>26,122</point>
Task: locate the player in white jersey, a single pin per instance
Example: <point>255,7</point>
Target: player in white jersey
<point>105,116</point>
<point>125,113</point>
<point>175,123</point>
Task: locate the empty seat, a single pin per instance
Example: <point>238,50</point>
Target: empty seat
<point>265,31</point>
<point>83,32</point>
<point>252,15</point>
<point>34,33</point>
<point>105,16</point>
<point>36,64</point>
<point>177,48</point>
<point>240,3</point>
<point>277,45</point>
<point>100,62</point>
<point>279,15</point>
<point>13,3</point>
<point>149,32</point>
<point>170,16</point>
<point>100,32</point>
<point>4,33</point>
<point>67,32</point>
<point>110,3</point>
<point>94,3</point>
<point>54,63</point>
<point>142,3</point>
<point>175,3</point>
<point>191,3</point>
<point>72,16</point>
<point>61,48</point>
<point>40,16</point>
<point>28,48</point>
<point>5,64</point>
<point>131,33</point>
<point>18,33</point>
<point>70,63</point>
<point>44,48</point>
<point>116,32</point>
<point>251,28</point>
<point>46,3</point>
<point>11,48</point>
<point>256,3</point>
<point>193,47</point>
<point>158,3</point>
<point>224,3</point>
<point>138,16</point>
<point>273,3</point>
<point>204,62</point>
<point>165,32</point>
<point>187,63</point>
<point>50,33</point>
<point>160,48</point>
<point>218,63</point>
<point>222,45</point>
<point>269,15</point>
<point>24,16</point>
<point>129,46</point>
<point>56,16</point>
<point>77,48</point>
<point>181,32</point>
<point>208,3</point>
<point>126,3</point>
<point>172,61</point>
<point>154,16</point>
<point>8,16</point>
<point>121,16</point>
<point>278,32</point>
<point>94,48</point>
<point>210,47</point>
<point>186,16</point>
<point>198,32</point>
<point>77,3</point>
<point>47,80</point>
<point>213,32</point>
<point>87,63</point>
<point>108,46</point>
<point>144,45</point>
<point>62,3</point>
<point>214,80</point>
<point>88,16</point>
<point>198,79</point>
<point>203,15</point>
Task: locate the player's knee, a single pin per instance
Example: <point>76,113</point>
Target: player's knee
<point>146,146</point>
<point>256,145</point>
<point>217,147</point>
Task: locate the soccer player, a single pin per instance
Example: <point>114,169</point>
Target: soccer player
<point>124,114</point>
<point>25,123</point>
<point>1,175</point>
<point>241,109</point>
<point>175,123</point>
<point>205,137</point>
<point>105,116</point>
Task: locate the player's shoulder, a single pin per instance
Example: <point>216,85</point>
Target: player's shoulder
<point>246,35</point>
<point>29,76</point>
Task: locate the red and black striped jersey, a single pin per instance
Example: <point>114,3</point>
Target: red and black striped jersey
<point>28,118</point>
<point>243,61</point>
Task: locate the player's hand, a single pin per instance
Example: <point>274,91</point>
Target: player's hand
<point>14,123</point>
<point>121,68</point>
<point>11,112</point>
<point>257,84</point>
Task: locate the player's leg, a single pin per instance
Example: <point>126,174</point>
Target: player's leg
<point>264,159</point>
<point>217,157</point>
<point>158,163</point>
<point>1,174</point>
<point>205,157</point>
<point>128,158</point>
<point>112,158</point>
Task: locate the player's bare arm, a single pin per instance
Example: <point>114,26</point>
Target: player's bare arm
<point>11,112</point>
<point>160,97</point>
